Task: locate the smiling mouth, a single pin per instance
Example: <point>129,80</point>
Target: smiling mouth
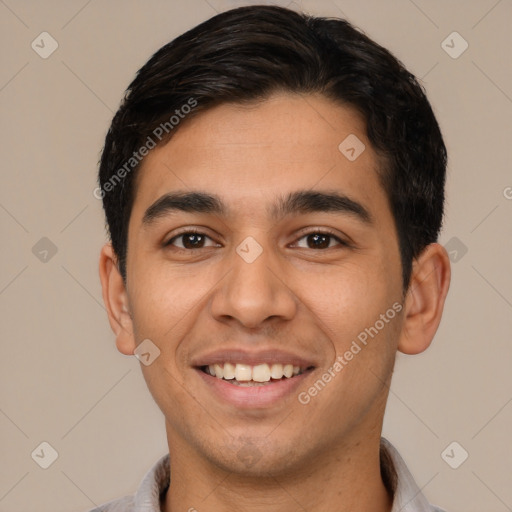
<point>258,375</point>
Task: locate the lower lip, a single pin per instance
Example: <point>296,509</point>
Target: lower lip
<point>251,397</point>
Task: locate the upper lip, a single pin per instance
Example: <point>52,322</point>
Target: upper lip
<point>252,358</point>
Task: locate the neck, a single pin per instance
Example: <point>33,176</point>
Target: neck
<point>347,479</point>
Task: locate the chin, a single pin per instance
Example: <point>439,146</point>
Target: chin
<point>257,458</point>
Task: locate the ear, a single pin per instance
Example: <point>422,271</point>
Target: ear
<point>116,301</point>
<point>424,302</point>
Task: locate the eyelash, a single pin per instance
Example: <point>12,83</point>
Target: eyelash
<point>194,231</point>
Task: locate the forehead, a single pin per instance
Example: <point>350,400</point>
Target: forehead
<point>247,153</point>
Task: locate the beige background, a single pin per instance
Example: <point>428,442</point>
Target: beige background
<point>62,380</point>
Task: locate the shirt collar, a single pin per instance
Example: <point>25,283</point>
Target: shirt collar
<point>397,477</point>
<point>407,497</point>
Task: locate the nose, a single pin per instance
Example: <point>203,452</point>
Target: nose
<point>254,292</point>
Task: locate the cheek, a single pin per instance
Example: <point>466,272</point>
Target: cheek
<point>162,296</point>
<point>357,307</point>
<point>346,299</point>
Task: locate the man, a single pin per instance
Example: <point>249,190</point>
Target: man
<point>273,185</point>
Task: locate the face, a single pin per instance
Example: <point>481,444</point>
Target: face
<point>286,260</point>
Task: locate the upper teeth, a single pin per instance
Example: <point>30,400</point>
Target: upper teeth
<point>259,373</point>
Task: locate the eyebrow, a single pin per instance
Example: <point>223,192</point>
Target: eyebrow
<point>299,202</point>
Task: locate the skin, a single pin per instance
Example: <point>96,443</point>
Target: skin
<point>296,296</point>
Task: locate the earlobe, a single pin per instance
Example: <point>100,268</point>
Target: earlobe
<point>116,301</point>
<point>424,302</point>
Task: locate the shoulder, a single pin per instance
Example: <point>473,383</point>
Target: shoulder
<point>125,504</point>
<point>153,485</point>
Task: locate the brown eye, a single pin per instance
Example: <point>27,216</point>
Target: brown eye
<point>320,240</point>
<point>189,240</point>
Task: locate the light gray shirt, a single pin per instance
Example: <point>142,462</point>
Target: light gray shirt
<point>407,497</point>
